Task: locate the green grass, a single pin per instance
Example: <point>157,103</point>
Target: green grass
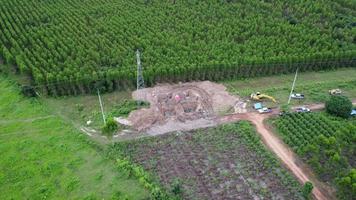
<point>315,85</point>
<point>67,107</point>
<point>43,157</point>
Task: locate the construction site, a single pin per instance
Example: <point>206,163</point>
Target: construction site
<point>183,106</point>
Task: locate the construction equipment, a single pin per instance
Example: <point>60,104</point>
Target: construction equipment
<point>259,97</point>
<point>335,92</point>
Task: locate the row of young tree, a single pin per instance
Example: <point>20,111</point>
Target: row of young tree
<point>82,82</point>
<point>325,143</point>
<point>70,47</point>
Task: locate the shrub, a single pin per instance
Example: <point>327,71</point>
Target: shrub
<point>285,108</point>
<point>110,127</point>
<point>339,106</point>
<point>347,185</point>
<point>124,108</point>
<point>144,178</point>
<point>307,189</point>
<point>80,107</point>
<point>176,187</point>
<point>28,91</point>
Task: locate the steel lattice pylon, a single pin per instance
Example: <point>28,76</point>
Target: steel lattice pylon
<point>140,81</point>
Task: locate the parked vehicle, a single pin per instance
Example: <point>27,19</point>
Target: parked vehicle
<point>302,110</point>
<point>264,110</point>
<point>335,92</point>
<point>297,96</point>
<point>353,112</point>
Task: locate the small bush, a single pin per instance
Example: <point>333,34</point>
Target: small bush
<point>119,196</point>
<point>285,108</point>
<point>28,91</point>
<point>124,108</point>
<point>110,127</point>
<point>176,187</point>
<point>307,189</point>
<point>339,106</point>
<point>124,165</point>
<point>80,107</point>
<point>347,185</point>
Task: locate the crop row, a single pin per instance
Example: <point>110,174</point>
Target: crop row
<point>326,143</point>
<point>300,129</point>
<point>73,47</point>
<point>226,162</point>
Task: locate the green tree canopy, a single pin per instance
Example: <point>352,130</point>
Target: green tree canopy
<point>339,106</point>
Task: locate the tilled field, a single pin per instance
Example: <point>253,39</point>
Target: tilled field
<point>227,162</point>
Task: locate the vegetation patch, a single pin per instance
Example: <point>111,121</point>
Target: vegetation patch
<point>314,85</point>
<point>74,47</point>
<point>326,143</point>
<point>339,106</point>
<point>42,157</point>
<point>226,162</point>
<point>124,108</point>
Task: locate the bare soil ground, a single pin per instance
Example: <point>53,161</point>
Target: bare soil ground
<point>184,106</point>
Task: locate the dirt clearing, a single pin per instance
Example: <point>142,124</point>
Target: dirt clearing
<point>184,106</point>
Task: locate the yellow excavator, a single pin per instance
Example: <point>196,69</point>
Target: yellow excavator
<point>259,97</point>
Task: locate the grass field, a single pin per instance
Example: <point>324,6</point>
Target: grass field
<point>226,162</point>
<point>315,85</point>
<point>80,109</point>
<point>42,157</point>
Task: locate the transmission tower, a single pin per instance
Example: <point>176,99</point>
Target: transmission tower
<point>140,81</point>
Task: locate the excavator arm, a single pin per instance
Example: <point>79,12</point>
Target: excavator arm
<point>260,97</point>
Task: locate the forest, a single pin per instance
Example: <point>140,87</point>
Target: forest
<point>70,47</point>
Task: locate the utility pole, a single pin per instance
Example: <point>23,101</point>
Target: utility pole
<point>101,106</point>
<point>291,91</point>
